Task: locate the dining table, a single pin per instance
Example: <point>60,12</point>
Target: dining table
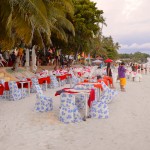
<point>21,84</point>
<point>89,97</point>
<point>45,80</point>
<point>64,77</point>
<point>1,89</point>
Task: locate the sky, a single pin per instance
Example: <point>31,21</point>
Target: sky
<point>128,22</point>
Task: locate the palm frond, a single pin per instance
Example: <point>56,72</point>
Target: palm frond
<point>23,29</point>
<point>36,10</point>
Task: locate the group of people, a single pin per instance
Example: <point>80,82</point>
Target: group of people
<point>53,57</point>
<point>141,67</point>
<point>136,68</point>
<point>19,59</point>
<point>121,75</point>
<point>13,58</point>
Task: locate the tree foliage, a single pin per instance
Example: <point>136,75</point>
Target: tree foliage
<point>72,25</point>
<point>110,47</point>
<point>31,20</point>
<point>86,22</point>
<point>136,57</point>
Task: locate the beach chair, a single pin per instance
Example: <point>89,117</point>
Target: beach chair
<point>68,110</point>
<point>44,103</point>
<point>15,93</point>
<point>108,94</point>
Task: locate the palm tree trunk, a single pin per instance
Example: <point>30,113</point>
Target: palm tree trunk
<point>27,59</point>
<point>34,67</point>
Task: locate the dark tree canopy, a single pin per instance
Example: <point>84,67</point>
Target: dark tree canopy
<point>70,25</point>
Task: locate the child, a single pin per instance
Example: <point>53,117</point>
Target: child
<point>121,75</point>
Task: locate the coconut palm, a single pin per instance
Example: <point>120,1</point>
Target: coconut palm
<point>30,19</point>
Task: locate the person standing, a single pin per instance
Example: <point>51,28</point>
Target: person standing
<point>109,74</point>
<point>13,60</point>
<point>6,54</point>
<point>121,75</point>
<point>20,55</point>
<point>23,59</point>
<point>133,68</point>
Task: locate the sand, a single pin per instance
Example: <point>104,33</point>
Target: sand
<point>127,128</point>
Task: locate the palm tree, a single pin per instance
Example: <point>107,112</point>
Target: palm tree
<point>28,19</point>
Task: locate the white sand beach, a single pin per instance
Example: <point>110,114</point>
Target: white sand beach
<point>127,128</point>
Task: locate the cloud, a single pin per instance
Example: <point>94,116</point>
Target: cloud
<point>136,46</point>
<point>131,6</point>
<point>145,48</point>
<point>128,21</point>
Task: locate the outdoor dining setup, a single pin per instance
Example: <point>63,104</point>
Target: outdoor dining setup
<point>87,95</point>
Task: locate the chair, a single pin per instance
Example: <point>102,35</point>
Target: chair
<point>15,92</point>
<point>80,87</point>
<point>54,83</point>
<point>99,109</point>
<point>75,80</point>
<point>43,103</point>
<point>80,98</point>
<point>89,86</point>
<point>5,93</point>
<point>63,81</point>
<point>34,82</point>
<point>108,94</point>
<point>44,86</point>
<point>38,90</point>
<point>69,79</point>
<point>79,101</point>
<point>68,110</point>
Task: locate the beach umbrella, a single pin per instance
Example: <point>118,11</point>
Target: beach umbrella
<point>97,61</point>
<point>118,61</point>
<point>100,58</point>
<point>108,60</point>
